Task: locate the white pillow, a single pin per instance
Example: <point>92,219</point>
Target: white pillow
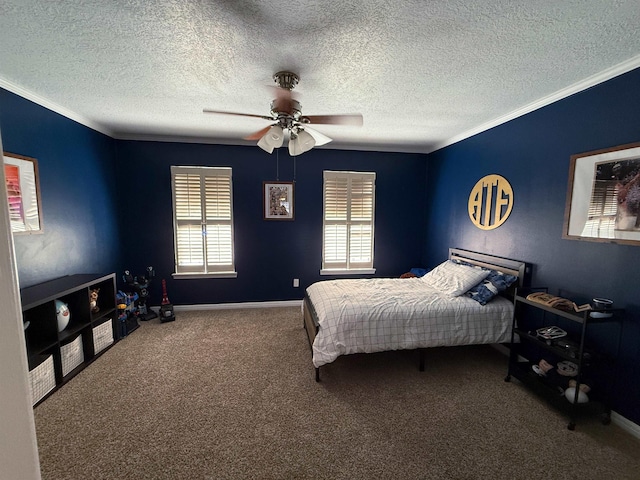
<point>454,279</point>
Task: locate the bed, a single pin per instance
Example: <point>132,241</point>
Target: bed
<point>465,300</point>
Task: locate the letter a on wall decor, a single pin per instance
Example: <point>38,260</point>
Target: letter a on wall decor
<point>490,202</point>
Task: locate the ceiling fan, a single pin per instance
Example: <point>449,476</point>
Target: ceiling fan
<point>286,112</point>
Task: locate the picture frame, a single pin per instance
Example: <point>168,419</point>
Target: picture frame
<point>278,200</point>
<point>603,196</point>
<point>23,193</point>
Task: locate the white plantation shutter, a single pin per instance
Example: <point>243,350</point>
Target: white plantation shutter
<point>602,210</point>
<point>349,199</point>
<point>203,219</point>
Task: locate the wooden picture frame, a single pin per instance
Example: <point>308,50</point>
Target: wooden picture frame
<point>23,193</point>
<point>603,196</point>
<point>278,200</point>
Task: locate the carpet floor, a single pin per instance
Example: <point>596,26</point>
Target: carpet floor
<point>231,394</point>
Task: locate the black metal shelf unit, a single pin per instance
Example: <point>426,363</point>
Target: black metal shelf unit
<point>526,348</point>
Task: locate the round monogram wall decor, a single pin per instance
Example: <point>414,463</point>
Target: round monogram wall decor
<point>490,202</point>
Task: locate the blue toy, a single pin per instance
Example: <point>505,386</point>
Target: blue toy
<point>140,285</point>
<point>127,312</point>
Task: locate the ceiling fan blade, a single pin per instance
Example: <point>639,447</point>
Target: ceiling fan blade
<point>320,138</point>
<point>259,134</point>
<point>349,119</point>
<point>265,117</point>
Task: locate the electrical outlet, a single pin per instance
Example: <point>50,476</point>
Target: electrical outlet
<point>296,282</point>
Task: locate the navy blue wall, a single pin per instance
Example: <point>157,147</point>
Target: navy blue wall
<point>269,254</point>
<point>77,191</point>
<point>533,152</point>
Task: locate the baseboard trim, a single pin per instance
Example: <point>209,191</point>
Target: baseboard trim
<point>231,306</point>
<point>626,424</point>
<point>501,348</point>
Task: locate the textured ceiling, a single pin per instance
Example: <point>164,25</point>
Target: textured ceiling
<point>422,73</point>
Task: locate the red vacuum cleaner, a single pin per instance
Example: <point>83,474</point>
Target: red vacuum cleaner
<point>166,309</point>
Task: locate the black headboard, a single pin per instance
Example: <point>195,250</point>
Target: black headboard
<point>515,267</point>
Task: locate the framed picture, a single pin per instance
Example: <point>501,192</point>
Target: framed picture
<point>23,193</point>
<point>278,200</point>
<point>603,197</point>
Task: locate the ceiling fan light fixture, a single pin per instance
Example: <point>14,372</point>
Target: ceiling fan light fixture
<point>272,139</point>
<point>320,138</point>
<point>301,142</point>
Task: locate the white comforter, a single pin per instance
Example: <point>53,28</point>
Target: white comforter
<point>373,315</point>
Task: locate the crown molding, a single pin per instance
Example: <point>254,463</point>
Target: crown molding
<point>54,107</point>
<point>334,145</point>
<point>588,82</point>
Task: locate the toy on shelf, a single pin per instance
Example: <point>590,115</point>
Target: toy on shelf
<point>93,300</point>
<point>561,377</point>
<point>140,285</point>
<point>127,312</point>
<point>63,314</point>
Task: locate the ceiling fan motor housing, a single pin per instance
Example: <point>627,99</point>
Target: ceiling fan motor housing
<point>286,108</point>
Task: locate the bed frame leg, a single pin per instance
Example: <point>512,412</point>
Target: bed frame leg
<point>421,356</point>
<point>317,374</point>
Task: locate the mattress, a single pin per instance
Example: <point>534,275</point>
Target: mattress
<point>379,314</point>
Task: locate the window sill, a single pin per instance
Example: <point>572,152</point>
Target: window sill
<point>182,276</point>
<point>353,271</point>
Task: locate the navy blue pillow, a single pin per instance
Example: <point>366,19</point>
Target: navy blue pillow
<point>419,272</point>
<point>495,283</point>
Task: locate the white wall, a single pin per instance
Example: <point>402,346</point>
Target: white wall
<point>18,447</point>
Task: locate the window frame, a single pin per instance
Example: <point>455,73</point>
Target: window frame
<point>204,270</point>
<point>347,267</point>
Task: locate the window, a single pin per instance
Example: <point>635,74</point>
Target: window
<point>349,199</point>
<point>203,221</point>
